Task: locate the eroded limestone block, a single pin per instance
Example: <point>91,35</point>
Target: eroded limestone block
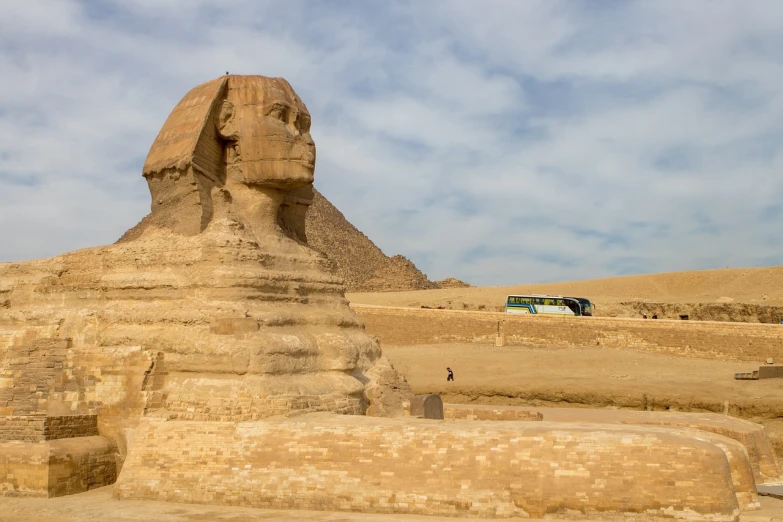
<point>57,467</point>
<point>428,406</point>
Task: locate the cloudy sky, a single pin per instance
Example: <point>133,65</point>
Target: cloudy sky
<point>498,142</point>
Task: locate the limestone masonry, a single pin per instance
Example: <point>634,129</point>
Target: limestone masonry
<point>210,356</point>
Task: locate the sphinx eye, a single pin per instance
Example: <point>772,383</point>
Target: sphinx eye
<point>303,122</point>
<point>278,111</point>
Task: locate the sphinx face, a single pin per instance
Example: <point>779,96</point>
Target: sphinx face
<point>272,129</point>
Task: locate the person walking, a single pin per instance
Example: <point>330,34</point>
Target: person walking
<point>451,375</point>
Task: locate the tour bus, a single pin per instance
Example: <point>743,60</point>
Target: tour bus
<point>548,304</point>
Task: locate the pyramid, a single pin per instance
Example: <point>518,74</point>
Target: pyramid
<point>359,261</point>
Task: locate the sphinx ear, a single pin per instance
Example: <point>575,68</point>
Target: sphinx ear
<point>227,123</point>
<point>189,132</point>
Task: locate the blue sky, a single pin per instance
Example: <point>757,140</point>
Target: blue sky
<point>497,142</point>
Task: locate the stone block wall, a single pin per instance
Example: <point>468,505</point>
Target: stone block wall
<point>27,428</point>
<point>24,469</point>
<point>56,468</point>
<point>28,375</point>
<point>771,371</point>
<point>480,412</point>
<point>454,468</point>
<point>38,428</point>
<point>737,341</point>
<point>80,464</point>
<point>70,426</point>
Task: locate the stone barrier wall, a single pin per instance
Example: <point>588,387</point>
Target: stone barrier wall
<point>454,468</point>
<point>737,341</point>
<point>479,412</point>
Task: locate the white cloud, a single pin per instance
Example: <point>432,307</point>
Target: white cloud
<point>501,142</point>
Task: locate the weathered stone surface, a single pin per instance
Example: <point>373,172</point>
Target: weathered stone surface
<point>39,428</point>
<point>57,467</point>
<point>483,412</point>
<point>457,468</point>
<point>428,406</point>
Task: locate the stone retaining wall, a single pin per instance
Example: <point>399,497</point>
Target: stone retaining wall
<point>737,341</point>
<point>479,412</point>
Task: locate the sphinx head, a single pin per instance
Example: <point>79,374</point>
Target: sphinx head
<point>239,145</point>
<point>267,128</point>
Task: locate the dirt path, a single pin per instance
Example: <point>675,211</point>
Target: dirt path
<point>99,506</point>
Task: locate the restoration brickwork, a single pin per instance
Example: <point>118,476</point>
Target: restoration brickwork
<point>38,428</point>
<point>481,412</point>
<point>457,468</point>
<point>56,468</point>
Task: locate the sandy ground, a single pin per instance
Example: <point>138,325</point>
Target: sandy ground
<point>99,506</point>
<point>590,377</point>
<point>760,286</point>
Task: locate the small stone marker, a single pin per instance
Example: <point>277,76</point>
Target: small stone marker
<point>429,406</point>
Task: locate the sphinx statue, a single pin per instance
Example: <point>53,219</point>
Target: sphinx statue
<point>213,307</point>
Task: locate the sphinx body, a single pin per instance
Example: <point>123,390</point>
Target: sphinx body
<point>213,307</point>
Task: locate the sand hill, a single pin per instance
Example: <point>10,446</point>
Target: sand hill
<point>363,265</point>
<point>731,294</point>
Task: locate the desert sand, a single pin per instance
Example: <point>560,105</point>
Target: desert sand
<point>591,378</point>
<point>732,294</point>
<point>99,506</point>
